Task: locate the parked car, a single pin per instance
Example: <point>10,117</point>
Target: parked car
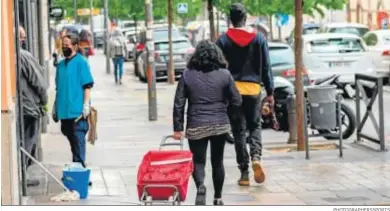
<point>309,28</point>
<point>283,63</point>
<point>130,40</point>
<point>160,32</point>
<point>182,51</point>
<point>335,53</point>
<point>378,45</point>
<point>98,38</point>
<point>346,28</point>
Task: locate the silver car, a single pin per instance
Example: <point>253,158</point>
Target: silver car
<point>333,53</point>
<point>283,63</point>
<point>182,51</point>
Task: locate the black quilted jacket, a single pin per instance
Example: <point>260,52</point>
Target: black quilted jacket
<point>208,95</point>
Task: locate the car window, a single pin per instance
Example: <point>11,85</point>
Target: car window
<point>386,39</point>
<point>130,36</point>
<point>335,45</point>
<point>163,34</point>
<point>359,31</point>
<point>281,55</point>
<point>370,39</point>
<point>312,30</point>
<point>164,46</point>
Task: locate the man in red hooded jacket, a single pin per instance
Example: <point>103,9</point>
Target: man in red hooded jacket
<point>248,56</point>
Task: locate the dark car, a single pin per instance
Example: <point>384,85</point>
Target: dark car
<point>98,38</point>
<point>160,32</point>
<point>182,51</point>
<point>282,62</point>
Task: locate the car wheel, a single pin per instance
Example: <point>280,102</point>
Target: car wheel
<point>141,71</point>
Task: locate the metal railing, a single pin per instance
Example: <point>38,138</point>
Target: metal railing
<point>361,94</point>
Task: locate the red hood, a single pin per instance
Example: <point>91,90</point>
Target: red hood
<point>241,37</point>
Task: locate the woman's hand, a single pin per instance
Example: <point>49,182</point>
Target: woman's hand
<point>177,135</point>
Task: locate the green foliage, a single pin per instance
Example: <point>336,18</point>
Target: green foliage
<point>127,9</point>
<point>271,7</point>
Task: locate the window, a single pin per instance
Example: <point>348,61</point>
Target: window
<point>370,39</point>
<point>281,55</point>
<point>180,44</point>
<point>359,31</point>
<point>163,34</point>
<point>312,30</point>
<point>386,39</point>
<point>335,45</point>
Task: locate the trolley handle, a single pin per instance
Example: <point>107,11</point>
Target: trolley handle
<point>164,142</point>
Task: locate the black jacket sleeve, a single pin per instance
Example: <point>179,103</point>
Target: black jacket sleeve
<point>219,42</point>
<point>34,74</point>
<point>179,106</point>
<point>267,76</point>
<point>234,96</point>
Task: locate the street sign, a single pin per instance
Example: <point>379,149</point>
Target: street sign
<point>283,19</point>
<point>182,8</point>
<point>86,11</point>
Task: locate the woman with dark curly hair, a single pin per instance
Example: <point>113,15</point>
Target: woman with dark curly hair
<point>209,88</point>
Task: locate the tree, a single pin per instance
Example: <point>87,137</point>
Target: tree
<point>125,9</point>
<point>210,9</point>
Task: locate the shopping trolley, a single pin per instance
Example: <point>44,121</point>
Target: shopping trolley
<point>163,175</point>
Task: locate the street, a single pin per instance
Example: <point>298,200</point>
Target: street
<point>125,134</point>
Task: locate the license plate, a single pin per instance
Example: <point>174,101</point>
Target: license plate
<point>339,64</point>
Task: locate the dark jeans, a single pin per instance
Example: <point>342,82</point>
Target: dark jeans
<point>247,118</point>
<point>76,132</point>
<point>199,151</point>
<point>31,134</point>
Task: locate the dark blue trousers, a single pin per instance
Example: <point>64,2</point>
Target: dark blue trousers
<point>76,132</point>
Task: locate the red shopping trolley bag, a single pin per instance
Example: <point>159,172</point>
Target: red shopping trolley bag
<point>164,172</point>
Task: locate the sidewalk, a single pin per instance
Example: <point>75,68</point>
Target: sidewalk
<point>125,135</point>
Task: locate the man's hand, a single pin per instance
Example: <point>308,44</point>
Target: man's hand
<point>54,115</point>
<point>86,111</point>
<point>178,135</point>
<point>45,108</point>
<point>271,101</point>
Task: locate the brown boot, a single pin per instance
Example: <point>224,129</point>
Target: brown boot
<point>244,179</point>
<point>258,172</point>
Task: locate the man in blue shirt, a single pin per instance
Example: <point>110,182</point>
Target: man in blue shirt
<point>72,104</point>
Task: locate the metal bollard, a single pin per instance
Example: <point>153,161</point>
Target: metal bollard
<point>292,119</point>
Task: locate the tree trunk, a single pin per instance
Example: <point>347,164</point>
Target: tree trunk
<point>171,72</point>
<point>217,30</point>
<point>211,20</point>
<point>271,28</point>
<point>298,76</point>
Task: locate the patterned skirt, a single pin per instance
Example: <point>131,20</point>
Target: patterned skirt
<point>206,131</point>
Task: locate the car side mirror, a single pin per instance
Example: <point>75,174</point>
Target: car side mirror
<point>287,39</point>
<point>56,12</point>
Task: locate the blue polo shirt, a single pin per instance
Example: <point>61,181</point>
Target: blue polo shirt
<point>71,78</point>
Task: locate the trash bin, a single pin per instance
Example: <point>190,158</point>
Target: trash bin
<point>323,103</point>
<point>76,177</point>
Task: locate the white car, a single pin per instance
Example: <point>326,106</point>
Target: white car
<point>129,36</point>
<point>378,45</point>
<point>328,54</point>
<point>346,28</point>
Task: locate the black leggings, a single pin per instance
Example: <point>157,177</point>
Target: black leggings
<point>199,151</point>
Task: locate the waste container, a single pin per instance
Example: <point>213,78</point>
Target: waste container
<point>323,103</point>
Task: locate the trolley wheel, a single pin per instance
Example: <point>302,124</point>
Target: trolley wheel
<point>148,201</point>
